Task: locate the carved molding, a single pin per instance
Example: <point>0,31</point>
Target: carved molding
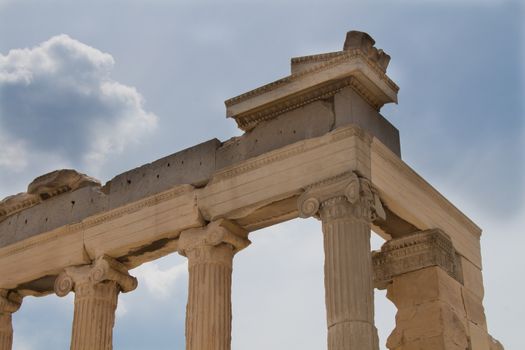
<point>58,182</point>
<point>415,252</point>
<point>84,278</point>
<point>43,188</point>
<point>361,62</point>
<point>344,56</point>
<point>216,243</point>
<point>16,203</point>
<point>321,199</point>
<point>249,120</point>
<point>10,301</point>
<point>215,233</point>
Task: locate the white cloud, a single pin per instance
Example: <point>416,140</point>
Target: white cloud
<point>58,98</point>
<point>160,282</point>
<point>13,154</point>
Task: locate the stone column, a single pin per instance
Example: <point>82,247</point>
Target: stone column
<point>423,279</point>
<point>210,252</point>
<point>96,290</point>
<point>346,206</point>
<point>9,303</point>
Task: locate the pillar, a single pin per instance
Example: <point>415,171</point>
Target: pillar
<point>423,279</point>
<point>346,206</point>
<point>96,290</point>
<point>9,303</point>
<point>210,252</point>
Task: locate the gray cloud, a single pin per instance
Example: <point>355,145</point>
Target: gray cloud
<point>58,98</point>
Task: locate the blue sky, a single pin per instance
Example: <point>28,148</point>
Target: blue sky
<point>104,86</point>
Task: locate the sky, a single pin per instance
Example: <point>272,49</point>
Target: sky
<point>105,86</point>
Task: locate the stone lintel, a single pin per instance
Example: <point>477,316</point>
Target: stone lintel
<point>415,252</point>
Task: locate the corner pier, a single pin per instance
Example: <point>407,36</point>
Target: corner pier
<point>314,145</point>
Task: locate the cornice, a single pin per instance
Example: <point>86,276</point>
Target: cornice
<point>17,203</point>
<point>251,119</point>
<point>417,251</point>
<point>338,59</point>
<point>317,57</point>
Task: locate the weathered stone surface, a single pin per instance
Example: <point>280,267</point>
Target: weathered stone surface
<point>210,252</point>
<point>18,202</point>
<point>413,199</point>
<point>479,338</point>
<point>312,120</point>
<point>414,252</point>
<point>350,108</point>
<point>96,290</point>
<point>426,285</point>
<point>9,303</point>
<point>346,206</point>
<point>194,166</point>
<point>430,311</point>
<point>64,209</point>
<point>318,77</point>
<point>472,278</point>
<point>474,308</point>
<point>315,145</point>
<point>59,181</point>
<point>364,42</point>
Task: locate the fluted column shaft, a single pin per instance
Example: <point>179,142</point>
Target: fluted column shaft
<point>210,252</point>
<point>96,290</point>
<point>346,205</point>
<point>348,278</point>
<point>94,316</point>
<point>6,332</point>
<point>208,315</point>
<point>9,303</point>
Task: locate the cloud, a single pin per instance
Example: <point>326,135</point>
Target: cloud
<point>58,98</point>
<point>14,153</point>
<point>160,283</point>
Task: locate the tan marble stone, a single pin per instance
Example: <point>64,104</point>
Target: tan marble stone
<point>316,145</point>
<point>96,290</point>
<point>9,303</point>
<point>473,278</point>
<point>210,252</point>
<point>346,206</point>
<point>479,338</point>
<point>430,309</point>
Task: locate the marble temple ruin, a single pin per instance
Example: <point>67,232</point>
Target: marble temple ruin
<point>314,145</point>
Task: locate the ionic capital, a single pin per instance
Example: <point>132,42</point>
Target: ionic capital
<point>215,233</point>
<point>356,193</point>
<point>10,301</point>
<point>102,270</point>
<point>216,242</point>
<point>414,252</point>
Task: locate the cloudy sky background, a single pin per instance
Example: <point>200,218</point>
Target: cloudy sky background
<point>105,86</point>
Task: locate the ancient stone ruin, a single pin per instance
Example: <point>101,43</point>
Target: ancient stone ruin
<point>315,145</point>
